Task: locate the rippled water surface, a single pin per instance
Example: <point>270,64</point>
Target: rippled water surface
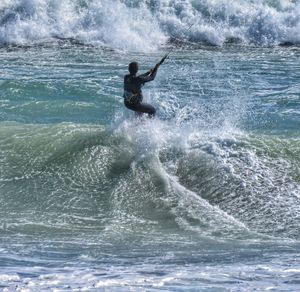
<point>205,197</point>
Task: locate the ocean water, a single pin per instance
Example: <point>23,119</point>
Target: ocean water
<point>205,197</point>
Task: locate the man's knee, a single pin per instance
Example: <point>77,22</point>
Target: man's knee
<point>153,111</point>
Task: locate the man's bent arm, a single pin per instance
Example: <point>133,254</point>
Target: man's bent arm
<point>150,75</point>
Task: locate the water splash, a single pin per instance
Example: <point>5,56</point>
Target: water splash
<point>145,25</point>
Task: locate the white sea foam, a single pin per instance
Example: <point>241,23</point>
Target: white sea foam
<point>234,277</point>
<point>144,25</point>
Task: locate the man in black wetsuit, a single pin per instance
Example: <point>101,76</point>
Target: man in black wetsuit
<point>133,96</point>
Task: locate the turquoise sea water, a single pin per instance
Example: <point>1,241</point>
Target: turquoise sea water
<point>205,197</point>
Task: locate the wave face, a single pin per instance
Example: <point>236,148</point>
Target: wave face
<point>222,159</point>
<point>144,25</point>
<point>69,177</point>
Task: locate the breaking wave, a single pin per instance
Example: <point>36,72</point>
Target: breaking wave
<point>70,176</point>
<point>146,25</point>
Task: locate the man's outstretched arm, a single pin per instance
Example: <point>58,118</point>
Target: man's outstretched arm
<point>150,75</point>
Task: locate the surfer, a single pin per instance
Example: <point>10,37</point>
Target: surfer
<point>133,96</point>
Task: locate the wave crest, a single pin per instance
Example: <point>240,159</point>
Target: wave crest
<point>145,25</point>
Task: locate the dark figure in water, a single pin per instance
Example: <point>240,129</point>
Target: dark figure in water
<point>133,96</point>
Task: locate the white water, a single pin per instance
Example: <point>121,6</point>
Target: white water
<point>145,25</point>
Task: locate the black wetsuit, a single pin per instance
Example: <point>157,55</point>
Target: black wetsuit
<point>133,96</point>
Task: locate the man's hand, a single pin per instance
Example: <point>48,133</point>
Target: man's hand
<point>163,59</point>
<point>152,71</point>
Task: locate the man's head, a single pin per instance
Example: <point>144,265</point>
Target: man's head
<point>133,67</point>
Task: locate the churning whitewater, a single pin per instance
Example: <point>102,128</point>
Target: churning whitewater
<point>144,25</point>
<point>206,196</point>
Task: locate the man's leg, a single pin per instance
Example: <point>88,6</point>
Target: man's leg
<point>145,108</point>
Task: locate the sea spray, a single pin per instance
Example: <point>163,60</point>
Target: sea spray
<point>146,25</point>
